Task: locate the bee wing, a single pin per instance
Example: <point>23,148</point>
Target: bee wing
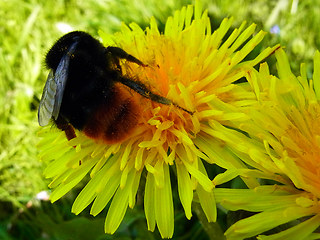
<point>52,95</point>
<point>60,79</point>
<point>47,101</point>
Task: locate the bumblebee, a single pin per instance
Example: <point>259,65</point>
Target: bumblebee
<point>84,90</point>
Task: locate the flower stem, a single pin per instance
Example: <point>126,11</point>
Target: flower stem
<point>213,229</point>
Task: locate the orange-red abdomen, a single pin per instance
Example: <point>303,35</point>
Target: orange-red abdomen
<point>115,120</point>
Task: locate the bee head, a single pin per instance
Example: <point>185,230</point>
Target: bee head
<point>85,42</point>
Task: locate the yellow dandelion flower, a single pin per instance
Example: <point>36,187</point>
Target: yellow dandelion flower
<point>285,119</point>
<point>195,69</point>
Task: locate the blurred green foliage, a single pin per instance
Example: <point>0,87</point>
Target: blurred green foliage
<point>27,30</point>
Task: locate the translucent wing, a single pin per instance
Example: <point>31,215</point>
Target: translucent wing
<point>47,101</point>
<point>60,79</point>
<point>52,95</point>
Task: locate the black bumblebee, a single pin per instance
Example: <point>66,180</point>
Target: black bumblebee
<point>83,90</point>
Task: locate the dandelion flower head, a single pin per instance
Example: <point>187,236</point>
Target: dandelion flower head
<point>285,119</point>
<point>195,69</point>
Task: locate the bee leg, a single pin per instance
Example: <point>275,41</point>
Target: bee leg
<point>120,53</point>
<point>63,125</point>
<point>147,93</point>
<point>143,90</point>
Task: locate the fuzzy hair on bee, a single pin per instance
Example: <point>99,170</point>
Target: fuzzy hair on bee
<point>84,90</point>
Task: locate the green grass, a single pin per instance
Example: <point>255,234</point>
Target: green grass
<point>28,29</point>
